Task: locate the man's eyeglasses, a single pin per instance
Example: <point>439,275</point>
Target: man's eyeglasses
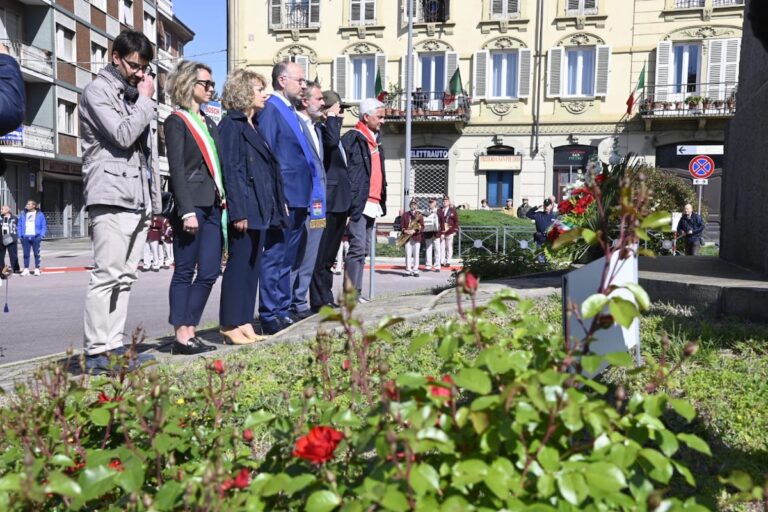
<point>300,81</point>
<point>135,66</point>
<point>207,84</point>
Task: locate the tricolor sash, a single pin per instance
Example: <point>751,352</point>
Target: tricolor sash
<point>317,200</point>
<point>207,147</point>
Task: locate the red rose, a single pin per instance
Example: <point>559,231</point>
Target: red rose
<point>390,389</point>
<point>115,465</point>
<point>225,486</point>
<point>439,391</point>
<point>564,207</point>
<point>218,366</point>
<point>468,282</point>
<point>104,398</point>
<point>243,479</point>
<point>318,446</point>
<point>345,365</point>
<point>248,435</point>
<point>599,179</point>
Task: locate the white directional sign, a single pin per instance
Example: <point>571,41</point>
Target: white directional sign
<point>700,181</point>
<point>714,149</point>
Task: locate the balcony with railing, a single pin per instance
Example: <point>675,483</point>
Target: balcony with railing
<point>36,63</point>
<point>165,59</point>
<point>295,14</point>
<point>28,137</point>
<point>726,3</point>
<point>689,4</point>
<point>715,100</point>
<point>429,107</point>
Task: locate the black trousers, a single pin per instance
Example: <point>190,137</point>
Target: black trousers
<point>241,277</point>
<point>13,254</point>
<point>321,288</point>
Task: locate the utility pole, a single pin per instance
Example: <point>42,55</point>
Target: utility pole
<point>408,108</point>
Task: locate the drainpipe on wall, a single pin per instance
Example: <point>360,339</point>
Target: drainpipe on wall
<point>537,78</point>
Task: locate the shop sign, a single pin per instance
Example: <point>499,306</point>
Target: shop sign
<point>500,162</point>
<point>429,153</point>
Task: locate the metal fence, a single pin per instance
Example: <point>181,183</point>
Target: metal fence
<point>493,238</point>
<point>66,225</point>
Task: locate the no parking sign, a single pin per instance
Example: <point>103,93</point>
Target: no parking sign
<point>701,167</point>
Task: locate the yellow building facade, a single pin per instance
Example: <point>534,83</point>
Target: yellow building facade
<point>542,85</point>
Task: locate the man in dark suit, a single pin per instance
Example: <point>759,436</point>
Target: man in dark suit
<point>282,130</point>
<point>310,112</point>
<point>690,227</point>
<point>338,201</point>
<point>365,161</point>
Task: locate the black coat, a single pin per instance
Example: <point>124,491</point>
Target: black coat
<point>338,192</point>
<point>693,223</point>
<point>11,95</point>
<point>191,181</point>
<point>359,165</point>
<point>251,174</point>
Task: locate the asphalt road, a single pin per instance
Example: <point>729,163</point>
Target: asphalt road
<point>46,313</point>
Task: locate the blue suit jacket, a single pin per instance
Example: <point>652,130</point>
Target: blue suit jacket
<point>251,174</point>
<point>295,171</point>
<point>11,95</point>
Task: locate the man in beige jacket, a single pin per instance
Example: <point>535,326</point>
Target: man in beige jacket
<point>122,191</point>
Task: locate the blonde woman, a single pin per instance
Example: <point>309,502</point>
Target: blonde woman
<point>198,190</point>
<point>255,201</point>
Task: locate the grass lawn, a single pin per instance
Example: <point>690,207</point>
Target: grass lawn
<point>727,381</point>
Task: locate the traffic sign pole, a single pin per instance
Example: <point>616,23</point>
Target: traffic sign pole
<point>701,187</point>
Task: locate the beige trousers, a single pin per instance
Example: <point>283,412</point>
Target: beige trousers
<point>118,244</point>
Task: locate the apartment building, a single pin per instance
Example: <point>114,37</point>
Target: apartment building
<point>544,83</point>
<point>61,45</point>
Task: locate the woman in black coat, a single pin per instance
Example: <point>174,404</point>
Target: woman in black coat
<point>197,187</point>
<point>255,201</point>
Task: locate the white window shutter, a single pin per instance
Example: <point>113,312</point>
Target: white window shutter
<point>731,72</point>
<point>524,72</point>
<point>275,13</point>
<point>602,70</point>
<point>715,69</point>
<point>404,71</point>
<point>415,11</point>
<point>664,70</point>
<point>355,10</point>
<point>303,61</point>
<point>555,72</point>
<point>314,13</point>
<point>497,8</point>
<point>513,7</point>
<point>340,75</point>
<point>451,65</point>
<point>369,12</point>
<point>590,5</point>
<point>381,67</point>
<point>480,74</point>
<point>573,5</point>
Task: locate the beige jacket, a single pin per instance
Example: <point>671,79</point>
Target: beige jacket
<point>111,132</point>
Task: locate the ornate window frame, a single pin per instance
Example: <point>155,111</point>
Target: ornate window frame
<point>564,20</point>
<point>519,23</point>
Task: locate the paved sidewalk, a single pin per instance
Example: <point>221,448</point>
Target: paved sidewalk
<point>411,307</point>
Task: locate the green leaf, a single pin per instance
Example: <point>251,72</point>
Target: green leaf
<point>474,380</point>
<point>593,305</point>
<point>480,421</point>
<point>661,467</point>
<point>623,311</point>
<point>695,442</point>
<point>549,458</point>
<point>469,472</point>
<point>166,496</point>
<point>641,296</point>
<point>572,487</point>
<point>620,359</point>
<point>62,460</point>
<point>322,501</point>
<point>424,478</point>
<point>131,479</point>
<point>591,363</point>
<point>739,479</point>
<point>667,442</point>
<point>299,483</point>
<point>605,477</point>
<point>683,470</point>
<point>566,238</point>
<point>58,483</point>
<point>394,500</point>
<point>410,380</point>
<point>500,475</point>
<point>10,483</point>
<point>96,482</point>
<point>419,341</point>
<point>485,402</point>
<point>589,236</point>
<point>257,418</point>
<point>683,408</point>
<point>100,417</point>
<point>657,220</point>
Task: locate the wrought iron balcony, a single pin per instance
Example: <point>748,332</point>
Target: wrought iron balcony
<point>726,3</point>
<point>31,59</point>
<point>688,4</point>
<point>429,106</point>
<point>297,14</point>
<point>32,137</point>
<point>689,101</point>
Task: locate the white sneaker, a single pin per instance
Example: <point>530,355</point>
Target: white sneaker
<point>415,273</point>
<point>25,272</point>
<point>37,271</point>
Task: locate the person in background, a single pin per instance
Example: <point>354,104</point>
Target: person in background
<point>543,216</point>
<point>32,228</point>
<point>10,236</point>
<point>690,227</point>
<point>432,237</point>
<point>197,185</point>
<point>365,161</point>
<point>255,200</point>
<point>412,225</point>
<point>152,258</point>
<point>522,211</point>
<point>509,209</point>
<point>553,200</point>
<point>484,204</point>
<point>117,126</point>
<point>449,226</point>
<point>167,243</point>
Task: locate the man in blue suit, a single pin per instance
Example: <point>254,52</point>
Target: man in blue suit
<point>280,126</point>
<point>310,112</point>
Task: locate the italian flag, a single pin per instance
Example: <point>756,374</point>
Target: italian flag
<point>640,85</point>
<point>379,91</point>
<point>454,88</point>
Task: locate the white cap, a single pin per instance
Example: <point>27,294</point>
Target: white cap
<point>369,106</point>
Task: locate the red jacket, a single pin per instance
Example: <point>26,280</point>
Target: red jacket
<point>405,221</point>
<point>449,222</point>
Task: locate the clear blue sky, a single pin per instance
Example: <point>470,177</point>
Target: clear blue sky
<point>208,20</point>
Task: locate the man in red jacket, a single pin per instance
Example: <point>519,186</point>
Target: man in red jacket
<point>449,226</point>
